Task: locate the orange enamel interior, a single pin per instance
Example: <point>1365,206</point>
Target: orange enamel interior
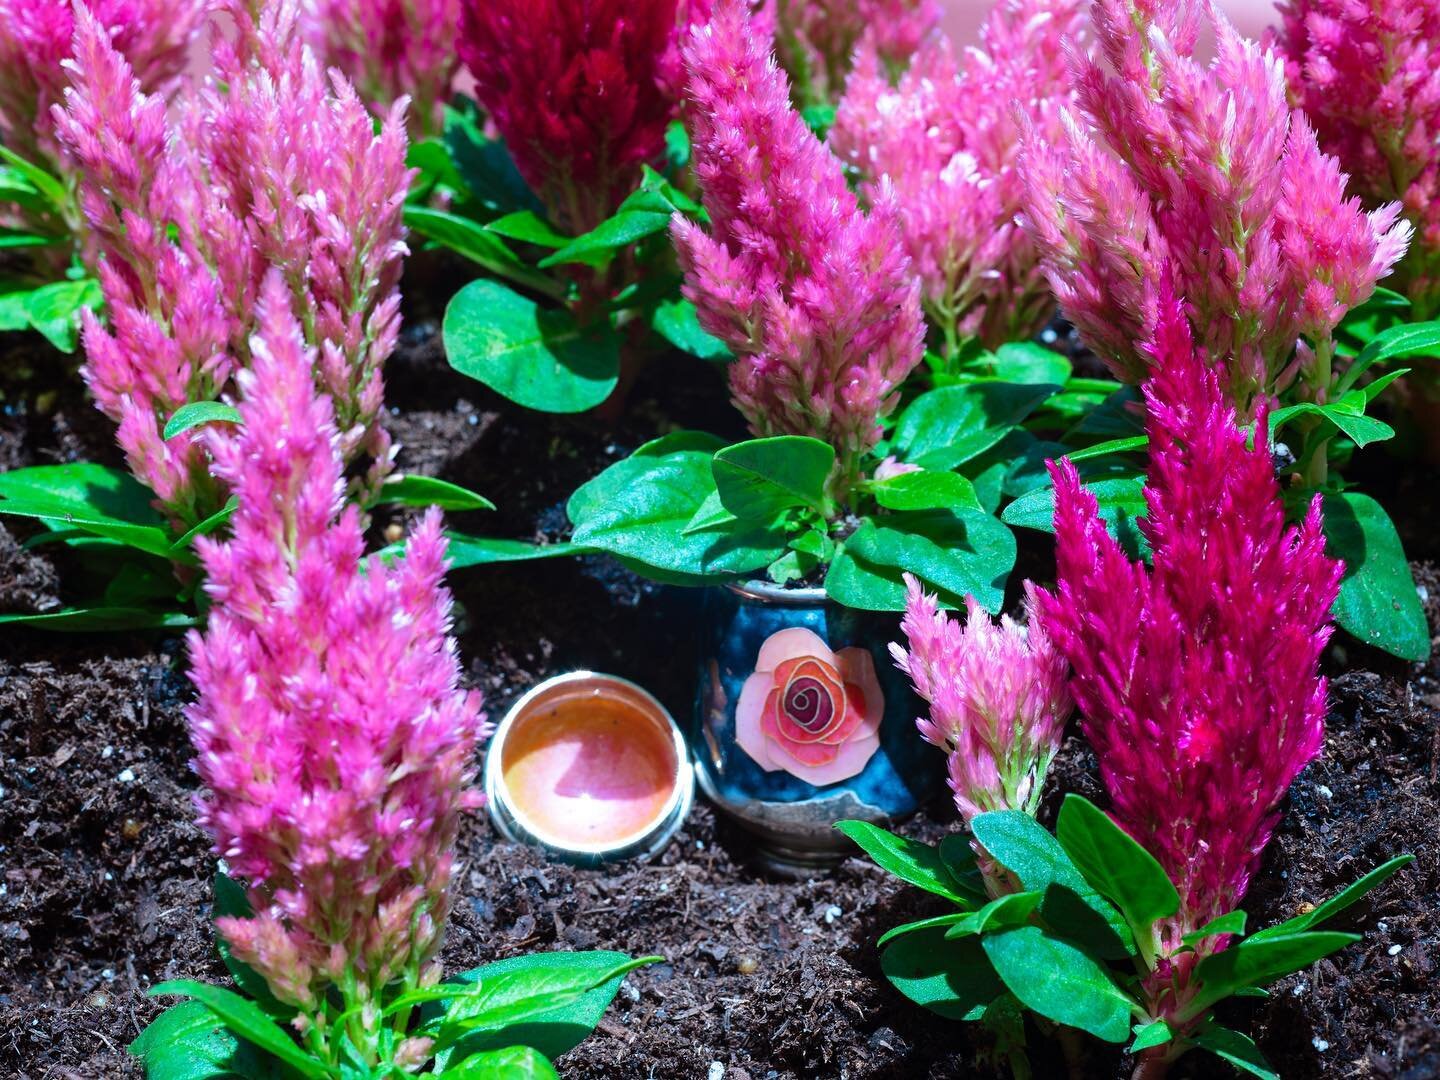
<point>589,769</point>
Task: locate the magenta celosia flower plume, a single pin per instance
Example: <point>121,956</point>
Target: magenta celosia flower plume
<point>816,39</point>
<point>814,296</point>
<point>1197,681</point>
<point>578,88</point>
<point>1367,76</point>
<point>1203,168</point>
<point>391,49</point>
<point>273,165</point>
<point>946,137</point>
<point>997,694</point>
<point>332,738</point>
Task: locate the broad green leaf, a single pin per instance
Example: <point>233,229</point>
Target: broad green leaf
<point>484,164</point>
<point>557,1030</point>
<point>1337,903</point>
<point>465,550</point>
<point>246,1019</point>
<point>1155,1033</point>
<point>525,994</point>
<point>1012,909</point>
<point>528,227</point>
<point>910,860</point>
<point>1121,501</point>
<point>1116,417</point>
<point>953,553</point>
<point>759,479</point>
<point>947,427</point>
<point>1071,906</point>
<point>147,538</point>
<point>1362,430</point>
<point>1257,962</point>
<point>1240,1050</point>
<point>537,357</point>
<point>710,514</point>
<point>599,245</point>
<point>1060,981</point>
<point>480,246</point>
<point>952,978</point>
<point>678,322</point>
<point>102,501</point>
<point>206,527</point>
<point>958,855</point>
<point>189,1042</point>
<point>509,1063</point>
<point>941,922</point>
<point>640,508</point>
<point>49,186</point>
<point>54,309</point>
<point>97,619</point>
<point>1408,339</point>
<point>1028,363</point>
<point>1119,868</point>
<point>200,412</point>
<point>415,490</point>
<point>1232,922</point>
<point>819,118</point>
<point>925,490</point>
<point>1378,603</point>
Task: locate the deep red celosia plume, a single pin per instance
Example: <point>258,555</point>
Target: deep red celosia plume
<point>1198,679</point>
<point>577,88</point>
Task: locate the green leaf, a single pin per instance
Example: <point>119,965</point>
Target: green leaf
<point>479,245</point>
<point>678,322</point>
<point>509,1063</point>
<point>11,239</point>
<point>556,1031</point>
<point>528,227</point>
<point>1232,922</point>
<point>525,994</point>
<point>1378,603</point>
<point>1155,1033</point>
<point>100,619</point>
<point>925,490</point>
<point>1237,1049</point>
<point>958,855</point>
<point>49,186</point>
<point>189,1042</point>
<point>1121,501</point>
<point>102,501</point>
<point>206,527</point>
<point>954,553</point>
<point>484,164</point>
<point>599,245</point>
<point>1407,339</point>
<point>819,118</point>
<point>1337,903</point>
<point>1072,906</point>
<point>939,921</point>
<point>200,412</point>
<point>1362,430</point>
<point>231,901</point>
<point>759,479</point>
<point>1255,962</point>
<point>537,357</point>
<point>952,978</point>
<point>466,550</point>
<point>909,860</point>
<point>1112,446</point>
<point>1060,981</point>
<point>1013,909</point>
<point>639,509</point>
<point>415,490</point>
<point>947,427</point>
<point>246,1019</point>
<point>1028,363</point>
<point>54,309</point>
<point>1118,867</point>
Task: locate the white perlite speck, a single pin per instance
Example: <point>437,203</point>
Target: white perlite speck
<point>717,1071</point>
<point>126,776</point>
<point>1394,950</point>
<point>1319,1044</point>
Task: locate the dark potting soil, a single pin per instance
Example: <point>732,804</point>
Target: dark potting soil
<point>105,880</point>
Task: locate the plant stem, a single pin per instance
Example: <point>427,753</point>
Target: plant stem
<point>1152,1064</point>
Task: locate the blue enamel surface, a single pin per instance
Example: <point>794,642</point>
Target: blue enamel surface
<point>903,773</point>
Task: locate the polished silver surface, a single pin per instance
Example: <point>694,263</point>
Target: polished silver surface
<point>511,821</point>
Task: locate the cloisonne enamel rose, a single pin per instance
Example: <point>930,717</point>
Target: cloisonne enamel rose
<point>811,711</point>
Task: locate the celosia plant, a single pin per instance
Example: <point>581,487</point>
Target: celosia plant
<point>39,213</point>
<point>812,294</point>
<point>815,40</point>
<point>1204,168</point>
<point>273,165</point>
<point>1198,684</point>
<point>392,49</point>
<point>336,749</point>
<point>946,138</point>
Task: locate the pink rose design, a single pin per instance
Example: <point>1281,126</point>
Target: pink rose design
<point>810,711</point>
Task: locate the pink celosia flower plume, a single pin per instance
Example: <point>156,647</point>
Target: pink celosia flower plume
<point>393,48</point>
<point>1206,169</point>
<point>1368,76</point>
<point>946,137</point>
<point>1197,681</point>
<point>815,297</point>
<point>816,39</point>
<point>997,695</point>
<point>333,741</point>
<point>273,165</point>
<point>581,90</point>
